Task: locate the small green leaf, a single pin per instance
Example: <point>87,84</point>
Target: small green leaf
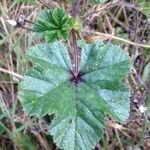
<point>80,104</point>
<point>146,73</point>
<point>97,1</point>
<point>2,129</point>
<point>53,24</point>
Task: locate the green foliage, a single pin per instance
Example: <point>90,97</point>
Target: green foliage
<point>54,24</point>
<point>146,69</point>
<point>26,1</point>
<point>2,129</point>
<point>25,142</point>
<point>145,7</point>
<point>80,105</point>
<point>146,73</point>
<point>148,102</point>
<point>97,1</point>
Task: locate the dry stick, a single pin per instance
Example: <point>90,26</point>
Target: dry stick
<point>116,13</point>
<point>116,20</point>
<point>108,6</point>
<point>53,4</point>
<point>125,15</point>
<point>45,4</point>
<point>4,70</point>
<point>109,24</point>
<point>26,28</point>
<point>118,138</point>
<point>119,39</point>
<point>43,142</point>
<point>10,56</point>
<point>11,73</point>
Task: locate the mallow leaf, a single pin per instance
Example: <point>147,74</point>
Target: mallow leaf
<point>54,24</point>
<point>80,104</point>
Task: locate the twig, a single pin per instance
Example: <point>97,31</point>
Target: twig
<point>119,39</point>
<point>76,8</point>
<point>10,56</point>
<point>45,4</point>
<point>11,73</point>
<point>26,28</point>
<point>109,5</point>
<point>116,20</point>
<point>119,140</point>
<point>53,4</point>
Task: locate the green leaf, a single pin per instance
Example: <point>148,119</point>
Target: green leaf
<point>80,104</point>
<point>146,73</point>
<point>144,7</point>
<point>148,102</point>
<point>2,129</point>
<point>24,141</point>
<point>53,24</point>
<point>98,1</point>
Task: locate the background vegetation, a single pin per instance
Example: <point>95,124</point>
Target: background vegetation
<point>122,22</point>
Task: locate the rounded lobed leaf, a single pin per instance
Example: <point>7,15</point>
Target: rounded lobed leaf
<point>80,104</point>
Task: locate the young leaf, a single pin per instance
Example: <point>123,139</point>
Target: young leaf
<point>53,24</point>
<point>80,104</point>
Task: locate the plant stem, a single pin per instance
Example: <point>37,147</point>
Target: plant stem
<point>75,8</point>
<point>100,34</point>
<point>75,53</point>
<point>11,73</point>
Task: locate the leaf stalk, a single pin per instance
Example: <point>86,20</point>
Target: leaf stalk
<point>75,9</point>
<point>75,53</point>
